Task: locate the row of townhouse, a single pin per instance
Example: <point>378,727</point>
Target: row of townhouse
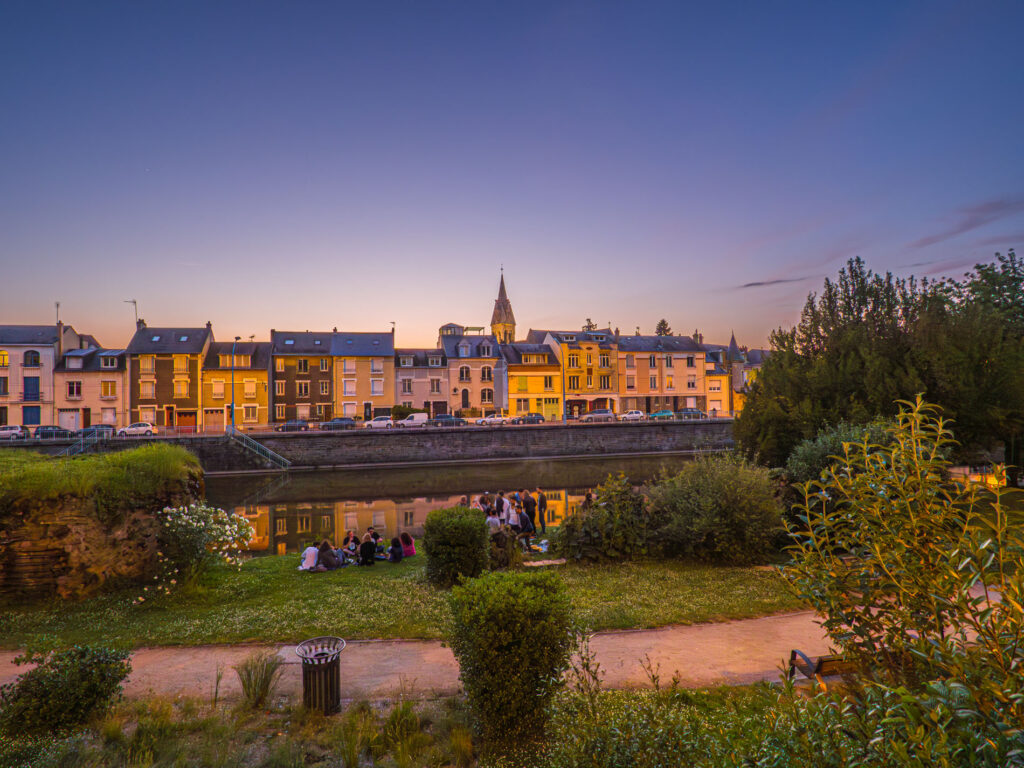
<point>182,377</point>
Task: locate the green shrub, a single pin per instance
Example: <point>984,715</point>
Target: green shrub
<point>511,634</point>
<point>615,527</point>
<point>810,457</point>
<point>63,691</point>
<point>401,411</point>
<point>456,544</point>
<point>195,537</point>
<point>258,675</point>
<point>718,509</point>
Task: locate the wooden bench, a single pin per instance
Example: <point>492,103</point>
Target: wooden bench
<point>820,668</point>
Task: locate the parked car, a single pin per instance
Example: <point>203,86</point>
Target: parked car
<point>632,416</point>
<point>414,420</point>
<point>13,432</point>
<point>665,415</point>
<point>446,420</point>
<point>601,414</point>
<point>691,413</point>
<point>339,422</point>
<point>529,418</point>
<point>494,420</point>
<point>136,429</point>
<point>295,425</point>
<point>52,433</point>
<point>98,431</point>
<point>380,422</point>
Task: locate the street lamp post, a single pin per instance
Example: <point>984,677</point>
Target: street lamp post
<point>233,343</point>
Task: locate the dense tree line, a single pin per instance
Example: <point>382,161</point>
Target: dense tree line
<point>869,340</point>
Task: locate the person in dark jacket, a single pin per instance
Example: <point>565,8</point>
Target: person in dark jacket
<point>328,558</point>
<point>395,552</point>
<point>367,550</point>
<point>529,507</point>
<point>542,510</point>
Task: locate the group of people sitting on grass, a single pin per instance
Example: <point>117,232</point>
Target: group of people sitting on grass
<point>354,550</point>
<point>519,511</point>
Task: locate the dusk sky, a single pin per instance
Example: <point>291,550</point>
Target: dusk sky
<point>305,165</point>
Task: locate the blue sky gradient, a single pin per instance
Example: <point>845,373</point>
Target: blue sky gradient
<point>311,164</point>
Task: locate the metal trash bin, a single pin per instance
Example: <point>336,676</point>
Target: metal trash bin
<point>321,673</point>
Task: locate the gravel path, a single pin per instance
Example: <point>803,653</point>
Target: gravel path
<point>733,652</point>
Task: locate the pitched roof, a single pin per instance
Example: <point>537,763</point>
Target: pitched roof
<point>363,344</point>
<point>420,356</point>
<point>450,344</point>
<point>514,352</point>
<point>300,342</point>
<point>28,334</point>
<point>169,341</point>
<point>502,307</point>
<point>91,359</point>
<point>258,352</point>
<point>658,344</point>
<point>757,356</point>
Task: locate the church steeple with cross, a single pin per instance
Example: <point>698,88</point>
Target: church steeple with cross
<point>503,322</point>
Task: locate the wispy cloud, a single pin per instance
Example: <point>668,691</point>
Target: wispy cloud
<point>970,218</point>
<point>762,283</point>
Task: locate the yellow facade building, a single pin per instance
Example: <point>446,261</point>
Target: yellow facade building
<point>250,398</point>
<point>364,374</point>
<point>589,363</point>
<point>534,380</point>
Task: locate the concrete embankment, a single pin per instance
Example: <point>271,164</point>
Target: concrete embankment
<point>405,447</point>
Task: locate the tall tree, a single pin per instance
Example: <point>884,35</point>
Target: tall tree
<point>662,329</point>
<point>590,325</point>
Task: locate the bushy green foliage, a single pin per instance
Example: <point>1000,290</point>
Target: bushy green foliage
<point>401,411</point>
<point>456,544</point>
<point>810,457</point>
<point>63,691</point>
<point>511,634</point>
<point>614,527</point>
<point>719,509</point>
<point>193,538</point>
<point>140,478</point>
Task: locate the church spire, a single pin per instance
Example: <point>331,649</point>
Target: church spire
<point>503,322</point>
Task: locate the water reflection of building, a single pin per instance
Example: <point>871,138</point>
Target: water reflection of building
<point>288,528</point>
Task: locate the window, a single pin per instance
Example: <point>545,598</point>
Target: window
<point>279,388</point>
<point>302,365</point>
<point>4,387</point>
<point>108,415</point>
<point>348,366</point>
<point>279,411</point>
<point>715,386</point>
<point>549,382</point>
<point>569,337</point>
<point>464,373</point>
<point>74,390</point>
<point>654,382</point>
<point>249,413</point>
<point>147,363</point>
<point>599,337</point>
<point>691,402</point>
<point>486,373</point>
<point>406,386</point>
<point>349,386</point>
<point>434,361</point>
<point>407,403</point>
<point>181,387</point>
<point>522,384</point>
<point>30,415</point>
<point>323,364</point>
<point>250,388</point>
<point>279,364</point>
<point>485,350</point>
<point>325,387</point>
<point>108,362</point>
<point>321,410</point>
<point>668,361</point>
<point>147,390</point>
<point>630,361</point>
<point>574,382</point>
<point>605,382</point>
<point>574,361</point>
<point>716,405</point>
<point>691,382</point>
<point>183,338</point>
<point>281,523</point>
<point>523,405</point>
<point>631,382</point>
<point>652,361</point>
<point>590,381</point>
<point>376,386</point>
<point>668,383</point>
<point>690,362</point>
<point>108,389</point>
<point>435,386</point>
<point>30,360</point>
<point>302,388</point>
<point>376,365</point>
<point>181,363</point>
<point>147,415</point>
<point>405,361</point>
<point>73,363</point>
<point>4,358</point>
<point>590,359</point>
<point>217,392</point>
<point>486,395</point>
<point>603,360</point>
<point>302,411</point>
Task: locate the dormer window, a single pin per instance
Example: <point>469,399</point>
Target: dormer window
<point>108,362</point>
<point>434,361</point>
<point>599,337</point>
<point>316,342</point>
<point>485,350</point>
<point>463,350</point>
<point>406,361</point>
<point>74,362</point>
<point>569,337</point>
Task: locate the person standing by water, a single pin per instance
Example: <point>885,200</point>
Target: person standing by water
<point>502,508</point>
<point>529,507</point>
<point>542,510</point>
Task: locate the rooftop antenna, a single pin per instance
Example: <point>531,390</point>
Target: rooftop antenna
<point>392,327</point>
<point>57,304</point>
<point>135,305</point>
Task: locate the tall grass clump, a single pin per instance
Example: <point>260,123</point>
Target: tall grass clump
<point>259,675</point>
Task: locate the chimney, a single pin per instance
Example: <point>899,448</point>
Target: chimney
<point>335,329</point>
<point>209,325</point>
<point>140,324</point>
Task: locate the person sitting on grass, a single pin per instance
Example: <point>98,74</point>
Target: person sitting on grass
<point>328,558</point>
<point>367,550</point>
<point>408,544</point>
<point>395,553</point>
<point>309,557</point>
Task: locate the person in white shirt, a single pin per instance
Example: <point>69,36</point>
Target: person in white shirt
<point>309,555</point>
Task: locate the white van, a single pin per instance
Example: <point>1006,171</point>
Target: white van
<point>413,420</point>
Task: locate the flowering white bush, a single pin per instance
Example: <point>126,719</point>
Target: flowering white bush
<point>191,539</point>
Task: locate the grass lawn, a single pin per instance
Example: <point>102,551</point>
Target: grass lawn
<point>269,600</point>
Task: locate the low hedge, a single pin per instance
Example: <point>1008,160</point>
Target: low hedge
<point>456,543</point>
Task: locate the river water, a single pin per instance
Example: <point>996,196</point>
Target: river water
<point>289,511</point>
